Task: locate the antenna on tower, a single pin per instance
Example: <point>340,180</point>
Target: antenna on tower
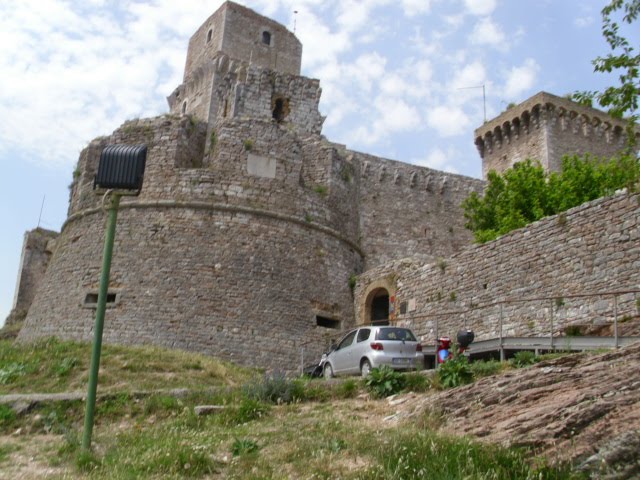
<point>295,17</point>
<point>484,98</point>
<point>41,208</point>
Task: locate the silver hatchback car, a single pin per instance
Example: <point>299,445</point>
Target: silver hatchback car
<point>369,347</point>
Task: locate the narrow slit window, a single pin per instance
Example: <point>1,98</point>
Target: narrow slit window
<point>209,33</point>
<point>91,299</point>
<point>266,38</point>
<point>327,322</point>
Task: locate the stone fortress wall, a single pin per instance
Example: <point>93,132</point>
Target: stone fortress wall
<point>546,127</point>
<point>591,249</point>
<point>249,224</point>
<point>37,247</point>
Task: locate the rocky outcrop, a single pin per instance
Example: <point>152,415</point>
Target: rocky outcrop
<point>583,408</point>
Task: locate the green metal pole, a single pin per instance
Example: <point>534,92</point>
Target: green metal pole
<point>101,307</point>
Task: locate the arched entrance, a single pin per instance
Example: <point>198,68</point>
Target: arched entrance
<point>377,312</point>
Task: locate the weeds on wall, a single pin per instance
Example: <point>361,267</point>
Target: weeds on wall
<point>212,140</point>
<point>248,145</point>
<point>353,280</point>
<point>442,264</point>
<point>321,190</point>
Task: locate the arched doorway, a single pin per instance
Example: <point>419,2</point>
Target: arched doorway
<point>378,307</point>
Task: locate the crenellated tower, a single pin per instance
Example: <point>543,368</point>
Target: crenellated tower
<point>544,128</point>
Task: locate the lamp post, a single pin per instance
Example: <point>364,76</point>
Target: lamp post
<point>120,172</point>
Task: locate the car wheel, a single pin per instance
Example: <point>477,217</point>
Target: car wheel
<point>365,368</point>
<point>328,371</point>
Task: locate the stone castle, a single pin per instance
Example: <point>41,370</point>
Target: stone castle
<point>251,227</point>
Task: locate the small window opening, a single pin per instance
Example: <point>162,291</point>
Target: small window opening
<point>403,308</point>
<point>184,107</point>
<point>209,33</point>
<point>278,110</point>
<point>226,107</point>
<point>92,298</point>
<point>178,94</point>
<point>266,38</point>
<point>327,322</point>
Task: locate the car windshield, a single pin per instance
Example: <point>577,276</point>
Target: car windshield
<point>391,333</point>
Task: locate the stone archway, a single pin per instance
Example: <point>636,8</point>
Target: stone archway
<point>376,303</point>
<point>377,311</point>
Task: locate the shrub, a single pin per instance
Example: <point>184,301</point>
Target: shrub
<point>348,388</point>
<point>66,365</point>
<point>248,410</point>
<point>11,372</point>
<point>7,416</point>
<point>274,388</point>
<point>384,381</point>
<point>243,446</point>
<point>159,404</point>
<point>523,359</point>
<point>416,382</point>
<point>486,368</point>
<point>455,372</point>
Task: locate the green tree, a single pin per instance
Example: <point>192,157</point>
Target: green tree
<point>525,193</point>
<point>622,100</point>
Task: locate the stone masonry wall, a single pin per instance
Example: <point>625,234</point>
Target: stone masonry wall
<point>240,286</point>
<point>243,40</point>
<point>36,252</point>
<point>591,249</point>
<point>213,259</point>
<point>406,210</point>
<point>237,32</point>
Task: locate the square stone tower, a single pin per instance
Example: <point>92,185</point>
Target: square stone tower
<point>545,128</point>
<point>233,39</point>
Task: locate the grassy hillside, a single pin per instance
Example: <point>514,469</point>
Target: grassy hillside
<point>54,366</point>
<point>270,427</point>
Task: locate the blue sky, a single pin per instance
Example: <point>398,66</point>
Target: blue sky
<point>393,74</point>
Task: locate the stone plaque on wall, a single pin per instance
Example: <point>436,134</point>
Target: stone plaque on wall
<point>261,166</point>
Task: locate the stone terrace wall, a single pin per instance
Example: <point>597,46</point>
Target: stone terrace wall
<point>593,248</point>
<point>406,210</point>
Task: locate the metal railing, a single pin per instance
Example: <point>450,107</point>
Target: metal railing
<point>488,320</point>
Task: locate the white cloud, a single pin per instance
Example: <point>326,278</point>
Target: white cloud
<point>416,7</point>
<point>582,22</point>
<point>80,72</point>
<point>486,32</point>
<point>520,79</point>
<point>448,121</point>
<point>480,7</point>
<point>471,75</point>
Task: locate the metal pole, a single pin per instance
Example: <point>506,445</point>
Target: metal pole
<point>501,343</point>
<point>551,332</point>
<point>615,320</point>
<point>301,361</point>
<point>97,333</point>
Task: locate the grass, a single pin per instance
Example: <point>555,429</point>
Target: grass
<point>271,427</point>
<point>52,366</point>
